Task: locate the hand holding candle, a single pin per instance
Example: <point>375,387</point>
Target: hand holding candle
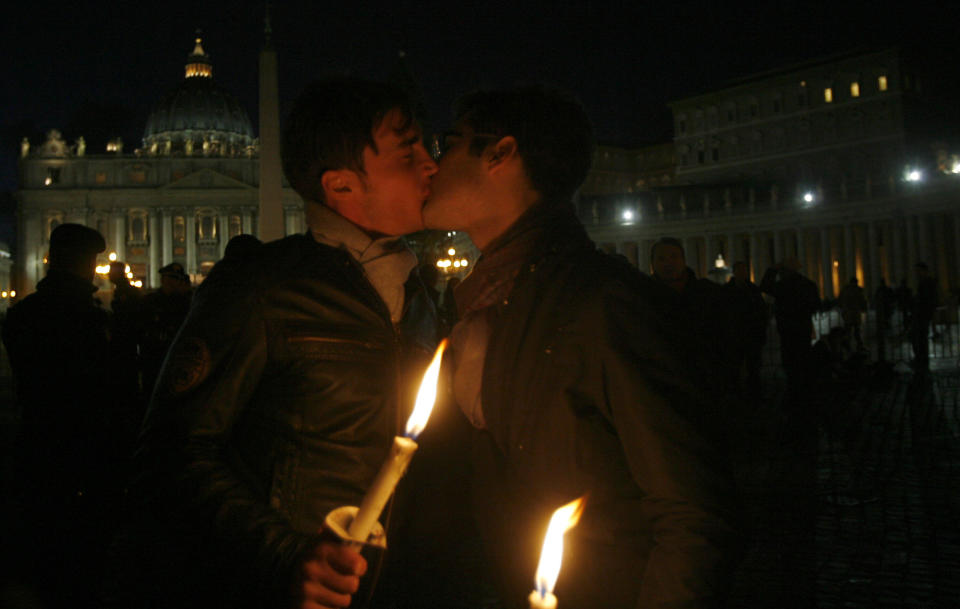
<point>564,519</point>
<point>400,454</point>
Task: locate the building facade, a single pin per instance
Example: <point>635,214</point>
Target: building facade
<point>192,186</point>
<point>827,161</point>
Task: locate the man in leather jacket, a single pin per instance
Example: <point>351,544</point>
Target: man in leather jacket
<point>281,394</point>
<point>569,376</point>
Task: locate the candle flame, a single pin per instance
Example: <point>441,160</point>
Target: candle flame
<point>426,396</point>
<point>564,519</point>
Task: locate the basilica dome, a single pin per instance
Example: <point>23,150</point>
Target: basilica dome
<point>198,116</point>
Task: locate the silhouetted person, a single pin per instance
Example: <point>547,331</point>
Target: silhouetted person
<point>448,306</point>
<point>748,327</point>
<point>796,300</point>
<point>163,314</point>
<point>853,304</point>
<point>69,450</point>
<point>698,308</point>
<point>241,247</point>
<point>924,306</point>
<point>905,304</point>
<point>126,328</point>
<point>885,299</point>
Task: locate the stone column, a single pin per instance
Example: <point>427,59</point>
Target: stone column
<point>643,255</point>
<point>291,221</point>
<point>873,254</point>
<point>911,254</point>
<point>956,248</point>
<point>247,222</point>
<point>153,279</point>
<point>689,252</point>
<point>191,221</point>
<point>801,251</point>
<point>33,249</point>
<point>899,257</point>
<point>826,263</point>
<point>166,253</point>
<point>924,251</point>
<point>731,249</point>
<point>755,258</point>
<point>849,254</point>
<point>777,247</point>
<point>223,228</point>
<point>119,234</point>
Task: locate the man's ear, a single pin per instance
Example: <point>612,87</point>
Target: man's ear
<point>338,185</point>
<point>503,151</point>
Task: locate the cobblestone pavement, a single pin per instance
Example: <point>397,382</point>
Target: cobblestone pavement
<point>856,502</point>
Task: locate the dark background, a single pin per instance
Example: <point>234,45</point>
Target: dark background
<point>95,69</point>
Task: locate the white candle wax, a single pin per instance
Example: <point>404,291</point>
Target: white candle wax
<point>542,602</point>
<point>379,492</point>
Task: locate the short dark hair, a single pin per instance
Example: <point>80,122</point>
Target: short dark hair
<point>672,241</point>
<point>331,123</point>
<point>554,136</point>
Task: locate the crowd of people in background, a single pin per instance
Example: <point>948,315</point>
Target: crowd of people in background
<point>83,374</point>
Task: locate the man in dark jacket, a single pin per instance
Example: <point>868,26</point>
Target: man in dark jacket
<point>163,314</point>
<point>70,446</point>
<point>924,306</point>
<point>281,394</point>
<point>700,313</point>
<point>748,327</point>
<point>566,372</point>
<point>795,301</point>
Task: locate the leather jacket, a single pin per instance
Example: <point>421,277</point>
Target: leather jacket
<point>277,403</point>
<point>586,393</point>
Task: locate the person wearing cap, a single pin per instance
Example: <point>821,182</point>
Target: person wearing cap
<point>163,313</point>
<point>70,442</point>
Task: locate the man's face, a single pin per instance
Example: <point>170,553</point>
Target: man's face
<point>669,264</point>
<point>456,201</point>
<point>396,180</point>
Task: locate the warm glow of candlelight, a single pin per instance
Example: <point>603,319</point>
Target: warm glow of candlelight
<point>426,395</point>
<point>564,519</point>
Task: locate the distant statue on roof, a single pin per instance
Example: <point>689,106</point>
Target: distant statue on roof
<point>167,147</point>
<point>54,146</point>
<point>81,146</point>
<point>188,147</point>
<point>24,148</point>
<point>115,145</point>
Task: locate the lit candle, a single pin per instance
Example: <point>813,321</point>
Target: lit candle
<point>400,454</point>
<point>551,555</point>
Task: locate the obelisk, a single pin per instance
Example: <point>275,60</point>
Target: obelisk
<point>271,222</point>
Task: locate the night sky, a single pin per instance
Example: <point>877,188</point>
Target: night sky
<point>95,69</point>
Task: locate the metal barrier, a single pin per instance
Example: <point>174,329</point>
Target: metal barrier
<point>943,337</point>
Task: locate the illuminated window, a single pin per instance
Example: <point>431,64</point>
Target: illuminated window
<point>828,95</point>
<point>882,83</point>
<point>179,229</point>
<point>854,89</point>
<point>138,226</point>
<point>236,226</point>
<point>101,177</point>
<point>207,227</point>
<point>138,176</point>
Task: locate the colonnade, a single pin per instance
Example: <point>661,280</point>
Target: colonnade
<point>159,246</point>
<point>830,251</point>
